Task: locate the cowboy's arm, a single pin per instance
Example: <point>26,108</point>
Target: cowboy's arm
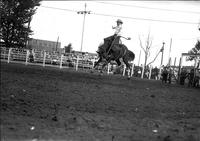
<point>113,27</point>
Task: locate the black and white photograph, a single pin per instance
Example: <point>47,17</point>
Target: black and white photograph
<point>109,70</point>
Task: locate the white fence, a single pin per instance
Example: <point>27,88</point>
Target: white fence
<point>44,58</point>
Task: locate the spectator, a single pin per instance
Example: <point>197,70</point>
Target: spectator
<point>164,75</point>
<point>191,78</point>
<point>146,73</point>
<point>156,73</point>
<point>31,57</point>
<point>183,76</point>
<point>170,76</point>
<point>139,72</point>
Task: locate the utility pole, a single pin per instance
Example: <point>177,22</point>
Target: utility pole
<point>162,50</point>
<point>57,43</point>
<point>29,22</point>
<point>169,59</point>
<point>162,53</point>
<point>84,14</point>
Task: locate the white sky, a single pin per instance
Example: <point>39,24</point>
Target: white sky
<point>49,23</point>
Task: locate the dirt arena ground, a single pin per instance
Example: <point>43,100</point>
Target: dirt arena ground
<point>52,104</point>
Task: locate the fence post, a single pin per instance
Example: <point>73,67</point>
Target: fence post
<point>77,62</point>
<point>150,70</point>
<point>61,59</point>
<point>44,58</point>
<point>179,68</point>
<point>108,68</point>
<point>93,60</point>
<point>124,70</point>
<point>9,53</point>
<point>142,75</point>
<point>27,56</point>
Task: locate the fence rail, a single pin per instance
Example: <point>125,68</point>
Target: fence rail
<point>70,60</point>
<point>44,58</point>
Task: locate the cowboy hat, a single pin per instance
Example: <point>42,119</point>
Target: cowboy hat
<point>119,21</point>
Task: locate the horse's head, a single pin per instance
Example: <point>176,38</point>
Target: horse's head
<point>101,50</point>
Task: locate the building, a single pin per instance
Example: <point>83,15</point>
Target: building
<point>49,46</point>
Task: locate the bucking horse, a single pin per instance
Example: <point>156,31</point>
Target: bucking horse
<point>113,50</point>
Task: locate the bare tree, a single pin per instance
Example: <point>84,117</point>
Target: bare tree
<point>146,47</point>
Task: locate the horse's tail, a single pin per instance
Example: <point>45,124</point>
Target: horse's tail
<point>131,55</point>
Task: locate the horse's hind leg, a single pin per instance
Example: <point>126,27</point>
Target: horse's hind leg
<point>103,66</point>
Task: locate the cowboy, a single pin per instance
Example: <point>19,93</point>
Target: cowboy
<point>117,32</point>
<point>111,40</point>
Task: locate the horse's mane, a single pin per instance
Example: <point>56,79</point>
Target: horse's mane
<point>102,46</point>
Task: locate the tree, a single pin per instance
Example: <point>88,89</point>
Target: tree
<point>194,50</point>
<point>68,48</point>
<point>15,20</point>
<point>146,47</point>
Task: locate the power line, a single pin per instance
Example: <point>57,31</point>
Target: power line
<point>144,19</point>
<point>133,18</point>
<point>151,8</point>
<point>195,38</point>
<point>69,10</point>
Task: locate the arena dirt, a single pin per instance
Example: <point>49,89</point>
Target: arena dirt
<point>52,104</point>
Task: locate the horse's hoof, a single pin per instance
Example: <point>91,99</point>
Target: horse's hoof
<point>129,78</point>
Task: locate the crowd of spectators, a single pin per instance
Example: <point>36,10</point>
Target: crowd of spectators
<point>192,76</point>
<point>189,77</point>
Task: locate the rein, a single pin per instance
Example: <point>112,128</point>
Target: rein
<point>111,46</point>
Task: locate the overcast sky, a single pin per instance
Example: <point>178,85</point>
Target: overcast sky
<point>163,19</point>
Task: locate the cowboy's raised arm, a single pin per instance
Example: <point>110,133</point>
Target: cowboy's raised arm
<point>113,27</point>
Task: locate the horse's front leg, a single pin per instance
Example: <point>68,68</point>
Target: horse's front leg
<point>106,63</point>
<point>97,63</point>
